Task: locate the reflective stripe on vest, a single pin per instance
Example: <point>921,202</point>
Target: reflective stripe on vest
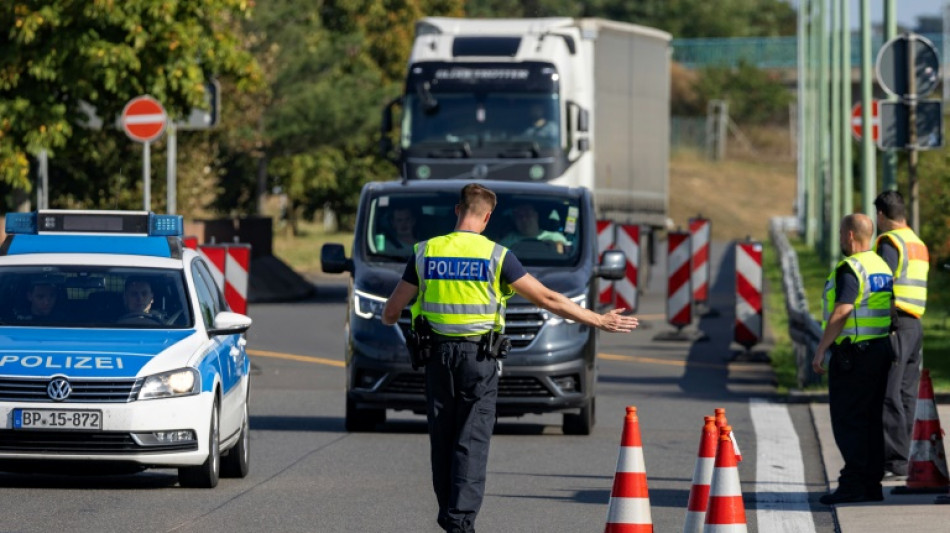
<point>913,265</point>
<point>460,284</point>
<point>871,317</point>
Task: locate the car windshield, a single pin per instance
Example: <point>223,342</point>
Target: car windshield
<point>484,119</point>
<point>542,230</point>
<point>93,297</point>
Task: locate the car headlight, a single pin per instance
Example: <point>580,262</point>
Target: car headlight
<point>367,305</point>
<point>580,300</point>
<point>180,382</point>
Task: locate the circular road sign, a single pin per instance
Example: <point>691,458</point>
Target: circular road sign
<point>893,71</point>
<point>856,122</point>
<point>144,119</point>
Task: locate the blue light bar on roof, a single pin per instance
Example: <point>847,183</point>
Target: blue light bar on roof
<point>166,225</point>
<point>20,223</point>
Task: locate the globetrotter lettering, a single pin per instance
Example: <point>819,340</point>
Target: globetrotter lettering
<point>481,74</point>
<point>70,361</point>
<point>456,268</point>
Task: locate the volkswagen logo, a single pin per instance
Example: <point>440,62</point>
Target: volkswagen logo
<point>58,389</point>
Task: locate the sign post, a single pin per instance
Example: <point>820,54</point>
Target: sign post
<point>144,120</point>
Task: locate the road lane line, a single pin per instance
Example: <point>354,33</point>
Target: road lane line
<point>672,362</point>
<point>781,497</point>
<point>292,357</point>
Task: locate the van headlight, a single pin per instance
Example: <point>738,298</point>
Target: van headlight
<point>367,305</point>
<point>580,300</point>
<point>180,382</point>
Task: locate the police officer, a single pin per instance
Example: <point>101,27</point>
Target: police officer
<point>908,258</point>
<point>462,281</point>
<point>857,321</point>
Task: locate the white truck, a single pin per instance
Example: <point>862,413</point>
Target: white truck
<point>477,91</point>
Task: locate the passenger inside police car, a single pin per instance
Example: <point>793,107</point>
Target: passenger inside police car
<point>41,300</point>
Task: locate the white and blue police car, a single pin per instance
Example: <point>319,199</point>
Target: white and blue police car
<point>117,350</point>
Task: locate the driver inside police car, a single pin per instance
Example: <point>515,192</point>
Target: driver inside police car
<point>138,296</point>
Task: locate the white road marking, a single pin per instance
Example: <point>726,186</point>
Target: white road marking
<point>780,492</point>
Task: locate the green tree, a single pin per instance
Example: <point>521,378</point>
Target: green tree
<point>701,18</point>
<point>55,56</point>
<point>754,95</point>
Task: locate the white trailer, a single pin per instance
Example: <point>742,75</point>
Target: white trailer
<point>472,85</point>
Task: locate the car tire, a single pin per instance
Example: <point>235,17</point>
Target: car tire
<point>205,476</point>
<point>361,420</point>
<point>236,462</point>
<point>582,423</point>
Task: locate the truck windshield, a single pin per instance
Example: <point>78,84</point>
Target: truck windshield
<point>542,230</point>
<point>480,119</point>
<point>93,297</point>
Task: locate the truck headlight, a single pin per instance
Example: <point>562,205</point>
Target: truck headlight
<point>367,305</point>
<point>180,382</point>
<point>580,300</point>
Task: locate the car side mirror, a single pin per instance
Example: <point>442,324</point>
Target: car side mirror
<point>613,265</point>
<point>333,259</point>
<point>230,323</point>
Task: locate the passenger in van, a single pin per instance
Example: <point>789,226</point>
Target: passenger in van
<point>42,298</point>
<point>527,227</point>
<point>403,235</point>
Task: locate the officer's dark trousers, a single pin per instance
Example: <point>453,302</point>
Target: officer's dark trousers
<point>900,401</point>
<point>461,391</point>
<point>856,399</point>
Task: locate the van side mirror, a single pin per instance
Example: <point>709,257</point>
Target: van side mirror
<point>333,259</point>
<point>583,119</point>
<point>613,265</point>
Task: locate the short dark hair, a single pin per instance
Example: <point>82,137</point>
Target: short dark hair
<point>477,199</point>
<point>138,279</point>
<point>891,205</point>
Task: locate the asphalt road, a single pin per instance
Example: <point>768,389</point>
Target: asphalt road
<point>309,474</point>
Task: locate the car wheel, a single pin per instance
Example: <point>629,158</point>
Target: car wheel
<point>359,420</point>
<point>205,475</point>
<point>237,460</point>
<point>582,423</point>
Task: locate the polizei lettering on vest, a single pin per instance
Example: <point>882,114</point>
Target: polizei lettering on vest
<point>67,362</point>
<point>456,268</point>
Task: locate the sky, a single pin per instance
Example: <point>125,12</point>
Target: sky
<point>907,11</point>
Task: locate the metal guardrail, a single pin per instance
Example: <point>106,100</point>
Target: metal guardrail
<point>803,329</point>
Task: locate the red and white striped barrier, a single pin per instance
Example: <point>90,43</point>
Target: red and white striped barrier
<point>748,327</point>
<point>190,241</point>
<point>700,230</point>
<point>628,241</point>
<point>606,230</point>
<point>236,276</point>
<point>678,293</point>
<point>216,257</point>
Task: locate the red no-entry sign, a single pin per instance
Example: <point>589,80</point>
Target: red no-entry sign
<point>856,122</point>
<point>144,119</point>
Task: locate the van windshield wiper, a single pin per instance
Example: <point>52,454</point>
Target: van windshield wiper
<point>444,149</point>
<point>516,149</point>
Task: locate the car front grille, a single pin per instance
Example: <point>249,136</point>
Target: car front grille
<point>83,390</point>
<point>80,442</point>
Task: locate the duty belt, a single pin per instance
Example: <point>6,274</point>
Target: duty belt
<point>464,338</point>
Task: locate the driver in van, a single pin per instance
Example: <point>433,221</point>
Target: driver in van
<point>527,227</point>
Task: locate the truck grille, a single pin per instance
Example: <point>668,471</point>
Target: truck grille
<point>78,442</point>
<point>508,386</point>
<point>83,390</point>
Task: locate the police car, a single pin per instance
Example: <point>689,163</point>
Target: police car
<point>117,350</point>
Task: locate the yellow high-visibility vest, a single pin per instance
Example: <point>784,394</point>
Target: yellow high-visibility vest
<point>460,289</point>
<point>910,276</point>
<point>871,317</point>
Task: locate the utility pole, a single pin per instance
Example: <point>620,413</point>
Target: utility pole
<point>824,137</point>
<point>889,157</point>
<point>838,120</point>
<point>847,158</point>
<point>868,170</point>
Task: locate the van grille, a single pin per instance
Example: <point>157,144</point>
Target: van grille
<point>508,386</point>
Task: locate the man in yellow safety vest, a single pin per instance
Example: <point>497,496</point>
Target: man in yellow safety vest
<point>908,258</point>
<point>461,282</point>
<point>857,322</point>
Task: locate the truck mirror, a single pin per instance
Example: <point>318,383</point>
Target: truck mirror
<point>613,265</point>
<point>583,144</point>
<point>333,259</point>
<point>583,119</point>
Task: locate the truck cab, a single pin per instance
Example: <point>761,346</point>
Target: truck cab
<point>552,231</point>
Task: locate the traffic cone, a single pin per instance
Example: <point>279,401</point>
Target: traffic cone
<point>629,510</point>
<point>722,421</point>
<point>702,476</point>
<point>726,512</point>
<point>927,468</point>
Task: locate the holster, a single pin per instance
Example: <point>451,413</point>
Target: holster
<point>419,342</point>
<point>495,345</point>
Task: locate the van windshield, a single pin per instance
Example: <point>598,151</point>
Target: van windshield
<point>93,297</point>
<point>541,230</point>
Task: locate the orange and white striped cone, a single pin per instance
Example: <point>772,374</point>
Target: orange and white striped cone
<point>722,421</point>
<point>702,477</point>
<point>629,510</point>
<point>726,512</point>
<point>927,465</point>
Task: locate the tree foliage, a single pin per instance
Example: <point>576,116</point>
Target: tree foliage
<point>702,18</point>
<point>754,96</point>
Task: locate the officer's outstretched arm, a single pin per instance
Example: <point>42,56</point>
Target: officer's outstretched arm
<point>398,300</point>
<point>535,292</point>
